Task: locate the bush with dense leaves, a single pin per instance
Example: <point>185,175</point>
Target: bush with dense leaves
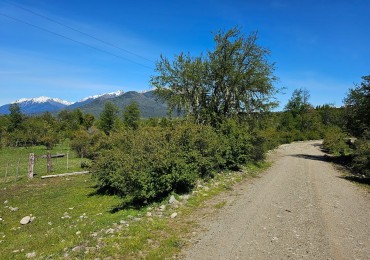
<point>151,162</point>
<point>88,143</point>
<point>335,141</point>
<point>361,157</point>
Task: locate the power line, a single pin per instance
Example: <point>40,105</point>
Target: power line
<point>76,30</point>
<point>76,41</point>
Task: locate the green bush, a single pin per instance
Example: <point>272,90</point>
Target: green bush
<point>87,143</point>
<point>151,162</point>
<point>361,157</point>
<point>335,141</point>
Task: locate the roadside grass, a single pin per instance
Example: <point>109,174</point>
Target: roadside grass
<point>9,157</point>
<point>72,221</point>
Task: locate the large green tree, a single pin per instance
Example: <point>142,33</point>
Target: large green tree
<point>357,105</point>
<point>233,79</point>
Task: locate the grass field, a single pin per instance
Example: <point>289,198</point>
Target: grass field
<point>73,222</point>
<point>10,156</point>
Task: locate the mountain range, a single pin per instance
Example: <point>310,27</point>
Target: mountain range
<point>147,101</point>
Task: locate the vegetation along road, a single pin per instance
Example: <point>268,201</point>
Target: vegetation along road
<point>301,208</point>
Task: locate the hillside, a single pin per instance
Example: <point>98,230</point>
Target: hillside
<point>149,106</point>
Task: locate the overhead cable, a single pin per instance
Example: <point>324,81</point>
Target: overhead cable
<point>77,30</point>
<point>76,41</point>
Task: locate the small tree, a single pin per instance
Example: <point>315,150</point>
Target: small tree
<point>88,120</point>
<point>299,106</point>
<point>131,115</point>
<point>16,116</point>
<point>108,117</point>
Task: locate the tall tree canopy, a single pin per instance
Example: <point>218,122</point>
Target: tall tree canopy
<point>108,117</point>
<point>16,116</point>
<point>358,107</point>
<point>235,78</point>
<point>298,104</point>
<point>131,115</point>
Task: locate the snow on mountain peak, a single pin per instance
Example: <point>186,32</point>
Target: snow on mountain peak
<point>43,99</point>
<point>113,94</point>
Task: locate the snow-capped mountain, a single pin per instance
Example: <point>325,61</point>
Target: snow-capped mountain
<point>37,105</point>
<point>112,94</point>
<point>42,99</point>
<point>44,104</point>
<point>90,99</point>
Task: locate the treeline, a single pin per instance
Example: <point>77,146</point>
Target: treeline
<point>356,117</point>
<point>225,96</point>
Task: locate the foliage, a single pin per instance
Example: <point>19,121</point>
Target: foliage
<point>233,79</point>
<point>298,106</point>
<point>131,115</point>
<point>151,162</point>
<point>108,118</point>
<point>331,115</point>
<point>148,103</point>
<point>358,107</point>
<point>361,161</point>
<point>335,141</point>
<point>88,143</point>
<point>16,116</point>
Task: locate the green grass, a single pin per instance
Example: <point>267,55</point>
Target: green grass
<point>93,231</point>
<point>9,157</point>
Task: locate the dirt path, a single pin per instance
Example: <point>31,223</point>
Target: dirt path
<point>300,208</point>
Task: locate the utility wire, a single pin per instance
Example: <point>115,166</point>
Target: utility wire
<point>76,30</point>
<point>76,41</point>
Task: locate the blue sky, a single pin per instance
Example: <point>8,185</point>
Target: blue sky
<point>322,46</point>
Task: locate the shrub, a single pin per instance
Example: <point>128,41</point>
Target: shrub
<point>151,162</point>
<point>361,157</point>
<point>334,141</point>
<point>87,143</point>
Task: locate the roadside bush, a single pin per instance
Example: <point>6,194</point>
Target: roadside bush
<point>361,157</point>
<point>334,141</point>
<point>238,144</point>
<point>151,162</point>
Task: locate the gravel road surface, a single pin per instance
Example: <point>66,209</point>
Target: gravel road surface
<point>300,208</point>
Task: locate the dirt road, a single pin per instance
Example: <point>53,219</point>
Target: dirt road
<point>300,208</point>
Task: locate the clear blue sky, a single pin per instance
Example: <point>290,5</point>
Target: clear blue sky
<point>323,46</point>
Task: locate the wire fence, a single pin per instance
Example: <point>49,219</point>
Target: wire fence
<point>15,168</point>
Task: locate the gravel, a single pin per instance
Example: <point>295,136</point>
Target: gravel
<point>299,208</point>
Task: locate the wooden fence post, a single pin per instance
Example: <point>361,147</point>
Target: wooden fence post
<point>31,163</point>
<point>67,160</point>
<point>49,163</point>
<point>6,171</point>
<point>17,172</point>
